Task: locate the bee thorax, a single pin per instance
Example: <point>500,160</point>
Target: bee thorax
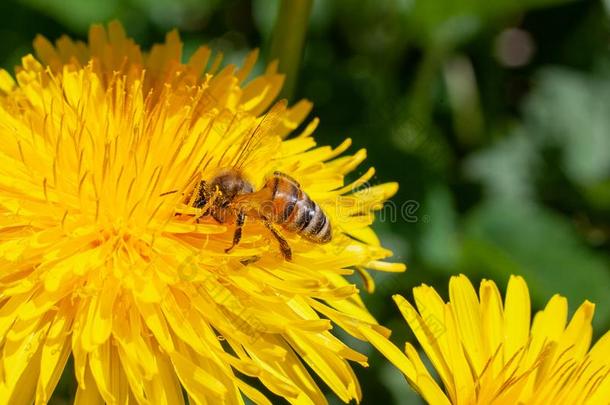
<point>230,184</point>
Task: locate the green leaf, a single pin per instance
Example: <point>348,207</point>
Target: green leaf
<point>397,384</point>
<point>77,14</point>
<point>438,242</point>
<point>571,111</point>
<point>506,169</point>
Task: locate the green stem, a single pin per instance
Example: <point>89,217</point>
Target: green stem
<point>420,95</point>
<point>288,39</point>
<point>464,100</point>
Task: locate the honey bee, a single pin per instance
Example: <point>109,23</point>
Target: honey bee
<point>229,197</point>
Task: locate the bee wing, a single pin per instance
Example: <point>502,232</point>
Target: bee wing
<point>264,129</point>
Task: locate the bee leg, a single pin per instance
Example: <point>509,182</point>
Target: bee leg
<point>239,224</point>
<point>203,214</point>
<point>284,246</point>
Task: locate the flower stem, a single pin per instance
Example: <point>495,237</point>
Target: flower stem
<point>421,92</point>
<point>288,39</point>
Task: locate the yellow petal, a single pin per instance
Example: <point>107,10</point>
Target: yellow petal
<point>392,353</point>
<point>491,317</point>
<point>516,316</point>
<point>154,319</point>
<point>89,395</point>
<point>428,388</point>
<point>197,382</point>
<point>98,324</point>
<point>54,356</point>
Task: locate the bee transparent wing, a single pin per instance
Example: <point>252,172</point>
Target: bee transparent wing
<point>264,129</point>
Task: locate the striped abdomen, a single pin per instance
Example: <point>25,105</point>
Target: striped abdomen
<point>295,211</point>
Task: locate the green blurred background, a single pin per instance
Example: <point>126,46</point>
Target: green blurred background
<point>494,117</point>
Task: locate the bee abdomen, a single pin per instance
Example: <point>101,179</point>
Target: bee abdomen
<point>296,212</point>
<point>284,197</point>
<point>314,226</point>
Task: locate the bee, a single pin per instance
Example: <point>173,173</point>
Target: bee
<point>229,197</point>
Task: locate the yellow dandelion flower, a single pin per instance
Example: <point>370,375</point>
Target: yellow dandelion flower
<point>101,261</point>
<point>487,352</point>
